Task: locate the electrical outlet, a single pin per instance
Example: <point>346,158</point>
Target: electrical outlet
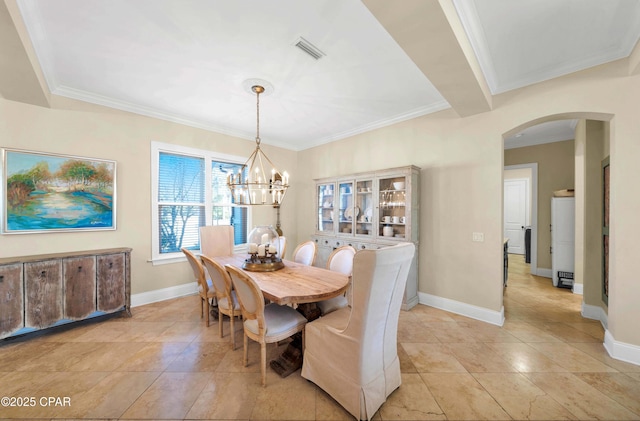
<point>478,237</point>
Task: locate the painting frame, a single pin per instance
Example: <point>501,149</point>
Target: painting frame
<point>46,192</point>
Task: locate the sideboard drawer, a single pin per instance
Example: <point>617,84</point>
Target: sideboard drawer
<point>43,291</point>
<point>79,287</point>
<point>11,299</point>
<point>111,290</point>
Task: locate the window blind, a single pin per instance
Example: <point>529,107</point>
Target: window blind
<point>181,196</point>
<point>222,211</point>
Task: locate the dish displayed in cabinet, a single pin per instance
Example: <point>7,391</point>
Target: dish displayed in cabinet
<point>351,213</point>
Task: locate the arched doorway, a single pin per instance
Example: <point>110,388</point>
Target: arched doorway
<point>590,150</point>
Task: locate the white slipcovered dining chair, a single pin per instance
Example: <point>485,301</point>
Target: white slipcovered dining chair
<point>340,260</point>
<point>351,353</point>
<point>227,301</point>
<point>282,241</point>
<point>263,323</point>
<point>305,253</point>
<point>216,240</point>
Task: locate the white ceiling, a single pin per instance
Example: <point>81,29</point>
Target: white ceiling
<point>548,132</point>
<point>188,60</point>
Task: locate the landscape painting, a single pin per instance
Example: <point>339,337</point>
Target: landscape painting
<point>51,193</point>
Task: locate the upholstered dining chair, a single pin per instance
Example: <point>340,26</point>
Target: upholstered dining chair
<point>227,301</point>
<point>216,240</point>
<point>351,353</point>
<point>263,323</point>
<point>305,253</point>
<point>340,260</point>
<point>205,286</point>
<point>283,245</point>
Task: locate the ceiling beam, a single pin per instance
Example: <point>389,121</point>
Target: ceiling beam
<point>19,76</point>
<point>634,60</point>
<point>431,34</point>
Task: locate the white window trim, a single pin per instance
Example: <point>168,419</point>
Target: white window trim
<point>208,156</point>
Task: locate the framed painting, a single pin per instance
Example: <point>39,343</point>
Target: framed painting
<point>44,192</point>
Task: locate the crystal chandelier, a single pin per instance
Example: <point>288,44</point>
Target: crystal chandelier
<point>258,182</point>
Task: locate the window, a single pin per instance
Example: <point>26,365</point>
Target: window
<point>189,191</point>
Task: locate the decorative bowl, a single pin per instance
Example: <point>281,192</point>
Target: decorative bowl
<point>398,185</point>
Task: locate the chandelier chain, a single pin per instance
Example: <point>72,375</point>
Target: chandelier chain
<point>257,116</point>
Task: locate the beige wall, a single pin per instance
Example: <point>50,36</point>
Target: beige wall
<point>461,181</point>
<point>555,172</point>
<point>461,178</point>
<point>591,149</point>
<point>518,174</point>
<point>125,138</point>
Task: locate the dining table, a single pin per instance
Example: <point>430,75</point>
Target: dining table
<point>294,284</point>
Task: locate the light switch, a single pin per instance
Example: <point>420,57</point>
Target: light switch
<point>478,237</point>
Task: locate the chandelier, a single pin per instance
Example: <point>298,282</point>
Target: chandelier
<point>258,182</point>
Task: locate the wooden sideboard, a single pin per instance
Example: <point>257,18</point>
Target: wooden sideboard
<point>41,291</point>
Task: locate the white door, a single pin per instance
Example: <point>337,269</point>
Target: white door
<point>516,198</point>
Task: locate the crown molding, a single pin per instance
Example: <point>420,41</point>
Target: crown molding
<point>417,112</point>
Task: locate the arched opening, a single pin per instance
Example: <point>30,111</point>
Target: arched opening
<point>589,149</point>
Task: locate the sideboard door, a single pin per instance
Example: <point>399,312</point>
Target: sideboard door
<point>79,287</point>
<point>111,282</point>
<point>11,299</point>
<point>43,290</point>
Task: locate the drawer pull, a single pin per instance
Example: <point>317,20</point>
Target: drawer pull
<point>1,278</point>
<point>43,274</point>
<point>110,265</point>
<point>79,268</point>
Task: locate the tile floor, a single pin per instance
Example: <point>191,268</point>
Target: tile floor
<point>545,363</point>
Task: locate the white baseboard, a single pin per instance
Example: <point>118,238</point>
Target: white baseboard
<point>620,350</point>
<point>163,294</point>
<point>578,289</point>
<point>595,313</point>
<point>544,272</point>
<point>467,310</point>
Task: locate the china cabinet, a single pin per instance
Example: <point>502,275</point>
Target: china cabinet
<point>41,291</point>
<point>369,210</point>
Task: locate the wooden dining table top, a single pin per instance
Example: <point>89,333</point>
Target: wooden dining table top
<point>295,283</point>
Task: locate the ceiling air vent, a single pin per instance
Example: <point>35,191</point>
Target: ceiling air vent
<point>309,48</point>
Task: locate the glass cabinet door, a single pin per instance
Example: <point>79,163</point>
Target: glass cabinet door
<point>392,207</point>
<point>326,213</point>
<point>346,209</point>
<point>363,211</point>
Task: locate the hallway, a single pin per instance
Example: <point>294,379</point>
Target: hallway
<point>534,299</point>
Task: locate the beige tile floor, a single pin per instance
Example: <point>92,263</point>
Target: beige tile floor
<point>545,363</point>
